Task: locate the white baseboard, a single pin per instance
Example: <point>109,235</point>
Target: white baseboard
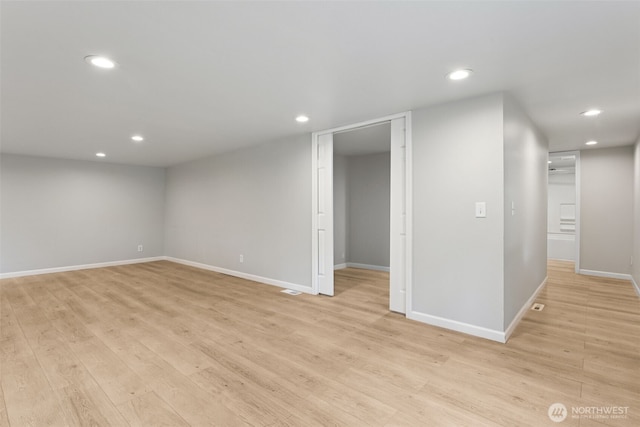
<point>605,274</point>
<point>367,266</point>
<point>635,285</point>
<point>247,276</point>
<point>523,310</point>
<point>78,267</point>
<point>467,328</point>
<point>340,266</point>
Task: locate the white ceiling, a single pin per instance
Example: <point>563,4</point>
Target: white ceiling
<point>199,78</point>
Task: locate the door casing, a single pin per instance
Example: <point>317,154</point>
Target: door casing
<point>400,209</point>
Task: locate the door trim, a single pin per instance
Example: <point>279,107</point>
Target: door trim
<point>407,199</point>
<point>577,232</point>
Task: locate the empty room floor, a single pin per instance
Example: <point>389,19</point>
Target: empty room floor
<point>165,344</point>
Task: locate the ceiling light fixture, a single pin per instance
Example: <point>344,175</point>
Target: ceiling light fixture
<point>302,119</point>
<point>591,113</point>
<point>137,138</point>
<point>101,154</point>
<point>99,61</point>
<point>459,74</point>
<point>591,143</point>
<point>549,162</point>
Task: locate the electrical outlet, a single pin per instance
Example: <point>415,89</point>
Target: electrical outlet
<point>140,248</point>
<point>241,258</point>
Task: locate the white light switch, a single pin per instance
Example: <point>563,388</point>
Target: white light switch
<point>481,210</point>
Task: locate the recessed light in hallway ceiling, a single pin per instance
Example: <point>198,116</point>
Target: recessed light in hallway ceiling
<point>459,74</point>
<point>591,143</point>
<point>137,138</point>
<point>101,154</point>
<point>302,119</point>
<point>100,61</point>
<point>591,113</point>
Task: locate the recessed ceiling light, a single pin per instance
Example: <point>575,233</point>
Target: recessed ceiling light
<point>137,138</point>
<point>459,74</point>
<point>302,119</point>
<point>101,154</point>
<point>591,143</point>
<point>549,162</point>
<point>100,61</point>
<point>591,113</point>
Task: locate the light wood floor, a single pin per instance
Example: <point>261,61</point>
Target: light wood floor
<point>163,344</point>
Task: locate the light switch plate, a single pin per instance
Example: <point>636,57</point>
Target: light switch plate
<point>481,210</point>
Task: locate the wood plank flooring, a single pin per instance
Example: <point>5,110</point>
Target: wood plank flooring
<point>162,344</point>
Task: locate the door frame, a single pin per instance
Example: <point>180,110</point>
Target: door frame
<point>575,153</point>
<point>395,243</point>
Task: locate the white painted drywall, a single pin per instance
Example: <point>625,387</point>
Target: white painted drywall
<point>561,245</point>
<point>562,190</point>
<point>340,210</point>
<point>254,202</point>
<point>525,208</point>
<point>635,271</point>
<point>369,181</point>
<point>606,209</point>
<point>458,260</point>
<point>61,213</point>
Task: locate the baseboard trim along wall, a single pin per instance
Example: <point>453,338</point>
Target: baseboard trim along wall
<point>478,331</point>
<point>78,267</point>
<point>362,266</point>
<point>247,276</point>
<point>605,274</point>
<point>527,305</point>
<point>635,285</point>
<point>466,328</point>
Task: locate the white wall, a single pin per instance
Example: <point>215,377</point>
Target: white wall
<point>525,228</point>
<point>562,190</point>
<point>255,202</point>
<point>636,217</point>
<point>606,209</point>
<point>369,180</point>
<point>61,213</point>
<point>361,205</point>
<point>561,245</point>
<point>458,260</point>
<point>340,210</point>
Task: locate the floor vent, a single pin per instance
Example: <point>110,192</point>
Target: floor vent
<point>537,307</point>
<point>290,292</point>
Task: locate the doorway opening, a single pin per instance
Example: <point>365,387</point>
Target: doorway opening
<point>323,237</point>
<point>362,210</point>
<point>563,223</point>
